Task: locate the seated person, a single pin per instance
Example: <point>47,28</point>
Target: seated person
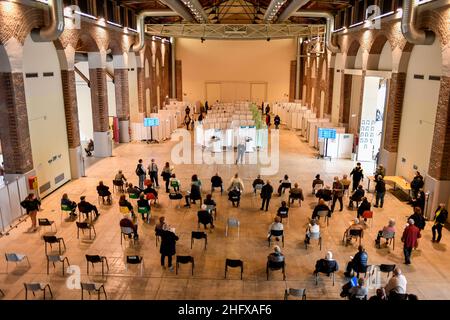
<point>236,183</point>
<point>72,205</point>
<point>283,211</point>
<point>175,183</point>
<point>257,181</point>
<point>123,202</point>
<point>325,193</point>
<point>296,193</point>
<point>322,206</point>
<point>363,206</point>
<point>195,180</point>
<point>276,255</point>
<point>356,225</point>
<point>234,196</point>
<point>86,207</point>
<point>313,227</point>
<point>134,190</point>
<point>419,220</point>
<point>358,262</point>
<point>316,181</point>
<point>358,291</point>
<point>284,184</point>
<point>161,226</point>
<point>144,203</point>
<point>209,200</point>
<point>103,191</point>
<point>127,223</point>
<point>193,195</point>
<point>327,265</point>
<point>120,178</point>
<point>276,226</point>
<point>396,284</point>
<point>357,196</point>
<point>150,189</point>
<point>216,182</point>
<point>387,231</point>
<point>345,182</point>
<point>204,217</point>
<point>89,148</point>
<point>379,296</point>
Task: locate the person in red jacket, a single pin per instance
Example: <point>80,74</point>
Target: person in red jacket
<point>409,239</point>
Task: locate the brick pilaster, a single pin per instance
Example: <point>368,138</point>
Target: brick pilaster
<point>393,113</point>
<point>122,94</point>
<point>346,95</point>
<point>99,99</point>
<point>329,91</point>
<point>179,79</point>
<point>14,130</point>
<point>292,78</point>
<point>70,107</point>
<point>141,89</point>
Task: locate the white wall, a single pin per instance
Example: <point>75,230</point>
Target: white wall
<point>112,112</point>
<point>242,61</point>
<point>419,110</point>
<point>46,117</point>
<point>338,65</point>
<point>84,103</point>
<point>359,58</point>
<point>133,89</point>
<point>385,62</point>
<point>355,104</point>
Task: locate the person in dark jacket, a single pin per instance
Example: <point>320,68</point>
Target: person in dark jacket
<point>358,263</point>
<point>317,181</point>
<point>380,190</point>
<point>267,109</point>
<point>276,121</point>
<point>216,182</point>
<point>321,207</point>
<point>234,196</point>
<point>325,194</point>
<point>419,200</point>
<point>135,190</point>
<point>69,204</point>
<point>419,220</point>
<point>357,175</point>
<point>338,193</point>
<point>283,211</point>
<point>268,120</point>
<point>363,206</point>
<point>204,217</point>
<point>440,217</point>
<point>416,184</point>
<point>327,265</point>
<point>32,205</point>
<point>266,194</point>
<point>123,202</point>
<point>103,191</point>
<point>144,203</point>
<point>257,181</point>
<point>168,246</point>
<point>357,196</point>
<point>86,207</point>
<point>193,196</point>
<point>127,223</point>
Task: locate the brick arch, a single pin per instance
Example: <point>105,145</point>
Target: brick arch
<point>86,43</point>
<point>375,51</point>
<point>116,47</point>
<point>351,54</point>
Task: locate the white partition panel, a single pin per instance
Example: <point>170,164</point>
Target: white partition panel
<point>14,200</point>
<point>5,210</point>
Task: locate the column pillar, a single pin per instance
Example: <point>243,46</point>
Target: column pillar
<point>122,96</point>
<point>99,101</point>
<point>77,168</point>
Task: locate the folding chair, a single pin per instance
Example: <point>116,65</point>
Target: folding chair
<point>57,258</point>
<point>324,214</point>
<point>65,208</point>
<point>292,198</point>
<point>390,238</point>
<point>37,286</point>
<point>85,226</point>
<point>92,287</point>
<point>52,240</point>
<point>44,222</point>
<point>352,233</point>
<point>135,260</point>
<point>298,293</point>
<point>315,236</point>
<point>15,257</point>
<point>276,233</point>
<point>316,275</point>
<point>145,211</point>
<point>386,268</point>
<point>117,185</point>
<point>93,259</point>
<point>368,215</point>
<point>199,235</point>
<point>126,232</point>
<point>232,222</point>
<point>233,263</point>
<point>184,260</point>
<point>273,266</point>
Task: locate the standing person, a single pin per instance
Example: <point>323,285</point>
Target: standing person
<point>419,220</point>
<point>409,239</point>
<point>416,184</point>
<point>153,172</point>
<point>276,121</point>
<point>266,194</point>
<point>166,174</point>
<point>206,106</point>
<point>316,181</point>
<point>140,172</point>
<point>338,193</point>
<point>419,200</point>
<point>168,246</point>
<point>187,110</point>
<point>380,172</point>
<point>440,216</point>
<point>240,152</point>
<point>357,176</point>
<point>380,189</point>
<point>268,120</point>
<point>267,109</point>
<point>32,205</point>
<point>187,120</point>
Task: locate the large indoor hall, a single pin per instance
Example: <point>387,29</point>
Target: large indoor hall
<point>196,154</point>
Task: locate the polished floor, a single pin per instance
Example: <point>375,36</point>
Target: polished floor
<point>428,276</point>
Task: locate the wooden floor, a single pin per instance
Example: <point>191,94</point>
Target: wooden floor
<point>428,276</point>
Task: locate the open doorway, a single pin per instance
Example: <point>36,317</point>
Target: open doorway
<point>372,119</point>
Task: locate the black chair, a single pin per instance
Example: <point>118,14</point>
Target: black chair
<point>299,293</point>
<point>37,286</point>
<point>44,222</point>
<point>293,197</point>
<point>85,226</point>
<point>135,260</point>
<point>275,265</point>
<point>199,235</point>
<point>331,274</point>
<point>386,268</point>
<point>355,297</point>
<point>118,184</point>
<point>284,186</point>
<point>52,240</point>
<point>56,258</point>
<point>328,267</point>
<point>233,263</point>
<point>92,287</point>
<point>276,233</point>
<point>352,233</point>
<point>184,260</point>
<point>204,219</point>
<point>92,259</point>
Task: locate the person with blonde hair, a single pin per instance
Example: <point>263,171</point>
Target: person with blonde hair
<point>276,255</point>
